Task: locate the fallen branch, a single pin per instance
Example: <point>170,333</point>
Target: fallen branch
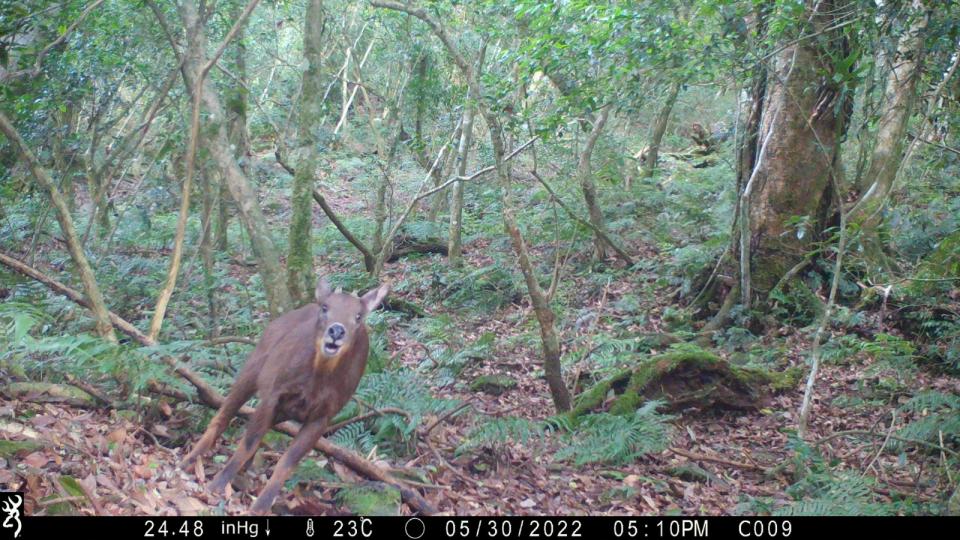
<point>930,445</point>
<point>92,390</point>
<point>368,258</point>
<point>599,232</point>
<point>223,340</point>
<point>403,306</point>
<point>411,247</point>
<point>42,392</point>
<point>449,414</point>
<point>59,287</point>
<point>209,396</point>
<point>715,459</point>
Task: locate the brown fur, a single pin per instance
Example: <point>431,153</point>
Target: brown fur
<point>296,379</point>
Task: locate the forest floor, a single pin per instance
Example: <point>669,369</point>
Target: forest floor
<point>722,459</point>
<point>107,462</point>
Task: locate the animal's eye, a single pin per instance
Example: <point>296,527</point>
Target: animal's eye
<point>359,317</point>
<point>323,308</point>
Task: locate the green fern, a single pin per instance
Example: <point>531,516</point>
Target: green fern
<point>617,439</point>
<point>393,389</point>
<point>939,414</point>
<point>595,438</point>
<point>845,494</point>
<point>497,432</point>
<point>355,437</point>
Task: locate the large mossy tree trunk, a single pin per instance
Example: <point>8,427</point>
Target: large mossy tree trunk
<point>794,157</point>
<point>300,273</point>
<point>244,195</point>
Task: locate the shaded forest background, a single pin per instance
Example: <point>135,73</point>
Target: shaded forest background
<point>645,257</point>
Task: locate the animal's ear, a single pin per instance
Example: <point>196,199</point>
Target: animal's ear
<point>373,298</point>
<point>323,289</point>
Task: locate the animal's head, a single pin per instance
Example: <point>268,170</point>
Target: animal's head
<point>342,316</point>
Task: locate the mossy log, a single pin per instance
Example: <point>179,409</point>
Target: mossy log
<point>689,379</point>
<point>403,306</point>
<point>494,384</point>
<point>41,392</point>
<point>406,245</point>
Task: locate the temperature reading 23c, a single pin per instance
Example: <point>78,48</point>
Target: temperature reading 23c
<point>353,528</point>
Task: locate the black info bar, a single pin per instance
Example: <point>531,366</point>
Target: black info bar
<point>452,527</point>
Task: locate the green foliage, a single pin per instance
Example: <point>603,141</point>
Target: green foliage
<point>843,494</point>
<point>935,415</point>
<point>595,438</point>
<point>482,289</point>
<point>497,432</point>
<point>402,390</point>
<point>445,350</point>
<point>617,439</point>
<point>819,490</point>
<point>355,437</point>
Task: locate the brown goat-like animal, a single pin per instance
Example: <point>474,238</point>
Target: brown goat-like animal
<point>306,367</point>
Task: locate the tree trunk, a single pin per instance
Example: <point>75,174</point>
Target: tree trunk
<point>568,88</point>
<point>589,188</point>
<point>90,287</point>
<point>440,175</point>
<point>206,251</point>
<point>657,129</point>
<point>301,277</point>
<point>899,97</point>
<point>546,318</point>
<point>246,198</point>
<point>795,159</point>
<point>541,305</point>
<point>455,236</point>
<point>237,128</point>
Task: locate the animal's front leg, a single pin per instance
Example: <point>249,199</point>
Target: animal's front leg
<point>302,443</point>
<point>239,394</point>
<point>261,422</point>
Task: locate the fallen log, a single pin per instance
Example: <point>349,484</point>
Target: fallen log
<point>43,392</point>
<point>404,247</point>
<point>689,379</point>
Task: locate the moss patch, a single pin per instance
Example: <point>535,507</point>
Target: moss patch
<point>10,450</point>
<point>493,384</point>
<point>688,379</point>
<point>371,499</point>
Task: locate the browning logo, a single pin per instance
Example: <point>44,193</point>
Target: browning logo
<point>11,503</point>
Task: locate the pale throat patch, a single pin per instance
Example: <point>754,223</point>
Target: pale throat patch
<point>324,364</point>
